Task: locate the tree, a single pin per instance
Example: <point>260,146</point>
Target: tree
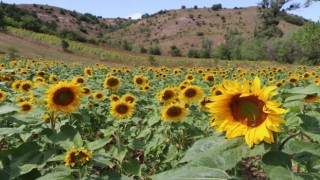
<point>64,45</point>
<point>207,48</point>
<point>183,7</point>
<point>216,7</point>
<point>2,21</point>
<point>155,50</point>
<point>309,38</point>
<point>175,52</point>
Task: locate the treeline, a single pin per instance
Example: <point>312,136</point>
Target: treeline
<point>302,46</point>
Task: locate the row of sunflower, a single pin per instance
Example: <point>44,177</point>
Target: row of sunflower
<point>102,121</point>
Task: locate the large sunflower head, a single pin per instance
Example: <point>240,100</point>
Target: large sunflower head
<point>99,96</point>
<point>168,95</point>
<point>191,93</point>
<point>63,97</point>
<point>77,157</point>
<point>140,80</point>
<point>121,109</point>
<point>26,106</point>
<point>112,83</point>
<point>173,112</point>
<point>3,95</point>
<point>242,110</point>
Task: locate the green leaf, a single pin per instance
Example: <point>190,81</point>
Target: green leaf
<point>114,176</point>
<point>9,131</point>
<point>132,167</point>
<point>203,145</point>
<point>7,108</point>
<point>192,173</point>
<point>277,165</point>
<point>119,153</point>
<point>58,173</point>
<point>136,144</point>
<point>311,124</point>
<point>102,160</point>
<point>25,158</point>
<point>77,141</point>
<point>97,144</point>
<point>218,152</point>
<point>153,120</point>
<point>144,133</point>
<point>109,131</point>
<point>311,89</point>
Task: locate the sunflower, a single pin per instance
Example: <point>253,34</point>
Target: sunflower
<point>209,78</point>
<point>88,72</point>
<point>129,98</point>
<point>191,93</point>
<point>140,80</point>
<point>202,103</point>
<point>121,109</point>
<point>86,91</point>
<point>77,156</point>
<point>26,106</point>
<point>311,98</point>
<point>112,83</point>
<point>167,95</point>
<point>53,78</point>
<point>189,78</point>
<point>79,80</point>
<point>146,88</point>
<point>173,112</point>
<point>25,86</point>
<point>316,81</point>
<point>245,111</point>
<point>63,97</point>
<point>16,85</point>
<point>3,95</point>
<point>99,96</point>
<point>114,97</point>
<point>39,80</point>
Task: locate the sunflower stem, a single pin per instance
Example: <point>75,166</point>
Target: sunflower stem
<point>287,139</point>
<point>52,121</point>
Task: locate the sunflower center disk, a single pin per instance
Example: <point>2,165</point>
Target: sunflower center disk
<point>122,109</point>
<point>63,97</point>
<point>174,111</point>
<point>113,82</point>
<point>248,110</point>
<point>190,93</point>
<point>167,95</point>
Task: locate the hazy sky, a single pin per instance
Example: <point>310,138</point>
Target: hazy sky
<point>126,8</point>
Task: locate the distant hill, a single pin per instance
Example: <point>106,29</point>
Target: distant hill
<point>185,28</point>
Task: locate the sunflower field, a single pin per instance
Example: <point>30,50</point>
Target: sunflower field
<point>69,121</point>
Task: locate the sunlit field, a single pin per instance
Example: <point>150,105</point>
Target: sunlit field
<point>69,121</point>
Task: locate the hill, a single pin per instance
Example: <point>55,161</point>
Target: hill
<point>185,28</point>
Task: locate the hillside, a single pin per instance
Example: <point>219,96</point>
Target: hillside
<point>186,28</point>
<point>86,25</point>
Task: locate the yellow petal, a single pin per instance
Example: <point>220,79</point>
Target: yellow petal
<point>256,86</point>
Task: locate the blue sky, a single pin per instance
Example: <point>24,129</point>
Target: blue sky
<point>126,8</point>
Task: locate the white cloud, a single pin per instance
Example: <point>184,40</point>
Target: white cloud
<point>135,16</point>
